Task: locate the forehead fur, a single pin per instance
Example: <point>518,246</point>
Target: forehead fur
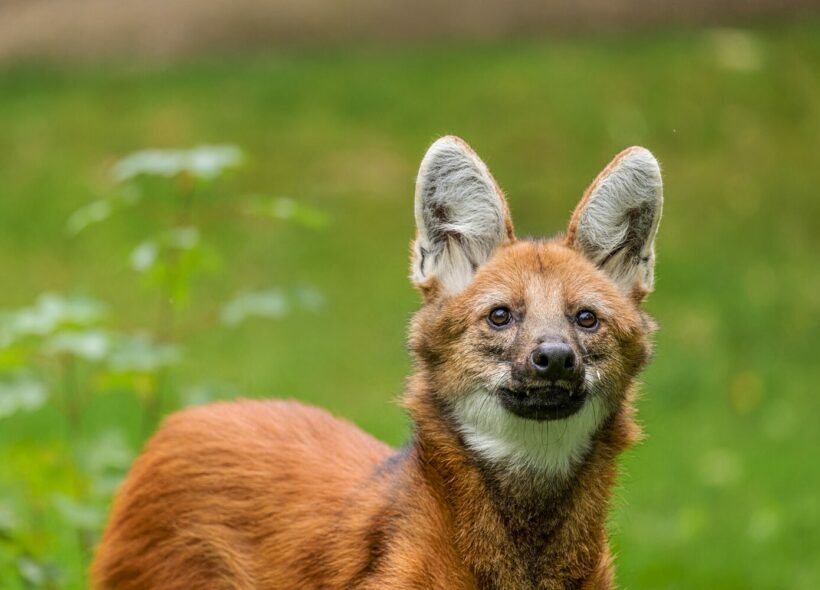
<point>528,272</point>
<point>540,277</point>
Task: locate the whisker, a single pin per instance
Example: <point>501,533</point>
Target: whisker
<point>492,391</point>
<point>547,428</point>
<point>595,413</point>
<point>481,408</point>
<point>566,426</point>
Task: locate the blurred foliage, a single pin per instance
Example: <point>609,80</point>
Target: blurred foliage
<point>65,351</point>
<point>723,492</point>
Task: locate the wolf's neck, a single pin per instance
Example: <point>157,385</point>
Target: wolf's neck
<point>518,527</point>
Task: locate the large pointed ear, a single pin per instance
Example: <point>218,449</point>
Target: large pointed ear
<point>616,221</point>
<point>461,217</point>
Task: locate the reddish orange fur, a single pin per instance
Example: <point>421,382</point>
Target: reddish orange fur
<point>274,495</point>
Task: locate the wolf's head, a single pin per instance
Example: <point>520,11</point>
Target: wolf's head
<point>528,346</point>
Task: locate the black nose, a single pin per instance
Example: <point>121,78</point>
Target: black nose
<point>553,360</point>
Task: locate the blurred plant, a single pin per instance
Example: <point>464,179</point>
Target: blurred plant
<point>182,186</point>
<point>64,351</point>
<point>52,353</point>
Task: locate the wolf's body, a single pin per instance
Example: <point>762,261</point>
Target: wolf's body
<point>525,352</point>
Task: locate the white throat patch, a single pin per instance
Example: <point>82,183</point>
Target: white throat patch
<point>552,446</point>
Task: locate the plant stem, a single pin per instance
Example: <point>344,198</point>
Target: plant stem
<point>71,394</point>
<point>72,405</point>
<point>167,309</point>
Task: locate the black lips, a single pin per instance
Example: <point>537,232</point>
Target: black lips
<point>543,403</point>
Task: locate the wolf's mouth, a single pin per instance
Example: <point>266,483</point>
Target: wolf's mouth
<point>547,402</point>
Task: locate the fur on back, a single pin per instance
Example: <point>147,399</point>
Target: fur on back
<point>196,501</point>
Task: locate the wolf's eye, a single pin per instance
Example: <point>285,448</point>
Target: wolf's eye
<point>586,319</point>
<point>500,317</point>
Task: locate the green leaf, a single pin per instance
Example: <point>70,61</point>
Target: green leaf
<point>272,303</point>
<point>268,304</point>
<point>91,345</point>
<point>50,312</point>
<point>205,162</point>
<point>145,256</point>
<point>108,452</point>
<point>308,298</point>
<point>89,214</point>
<point>205,393</point>
<point>21,392</point>
<point>33,572</point>
<point>78,514</point>
<point>9,522</point>
<point>106,484</point>
<point>102,209</point>
<point>139,354</point>
<point>172,258</point>
<point>12,356</point>
<point>286,209</point>
<point>183,238</point>
<point>152,252</point>
<point>211,161</point>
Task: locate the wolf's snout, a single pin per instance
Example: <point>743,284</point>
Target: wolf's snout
<point>554,361</point>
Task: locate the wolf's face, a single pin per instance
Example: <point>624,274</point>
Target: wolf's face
<point>529,346</point>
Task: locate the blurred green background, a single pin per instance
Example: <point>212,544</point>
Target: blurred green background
<point>313,227</point>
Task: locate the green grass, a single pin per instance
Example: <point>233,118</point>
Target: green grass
<point>723,492</point>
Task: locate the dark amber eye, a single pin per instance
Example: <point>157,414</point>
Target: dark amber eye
<point>586,319</point>
<point>500,317</point>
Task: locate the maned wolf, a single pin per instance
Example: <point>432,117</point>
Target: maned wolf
<point>526,353</point>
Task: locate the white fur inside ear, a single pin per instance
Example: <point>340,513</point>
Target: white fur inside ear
<point>617,225</point>
<point>460,215</point>
<point>499,436</point>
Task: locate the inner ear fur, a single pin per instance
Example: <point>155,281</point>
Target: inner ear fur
<point>617,219</point>
<point>462,217</point>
